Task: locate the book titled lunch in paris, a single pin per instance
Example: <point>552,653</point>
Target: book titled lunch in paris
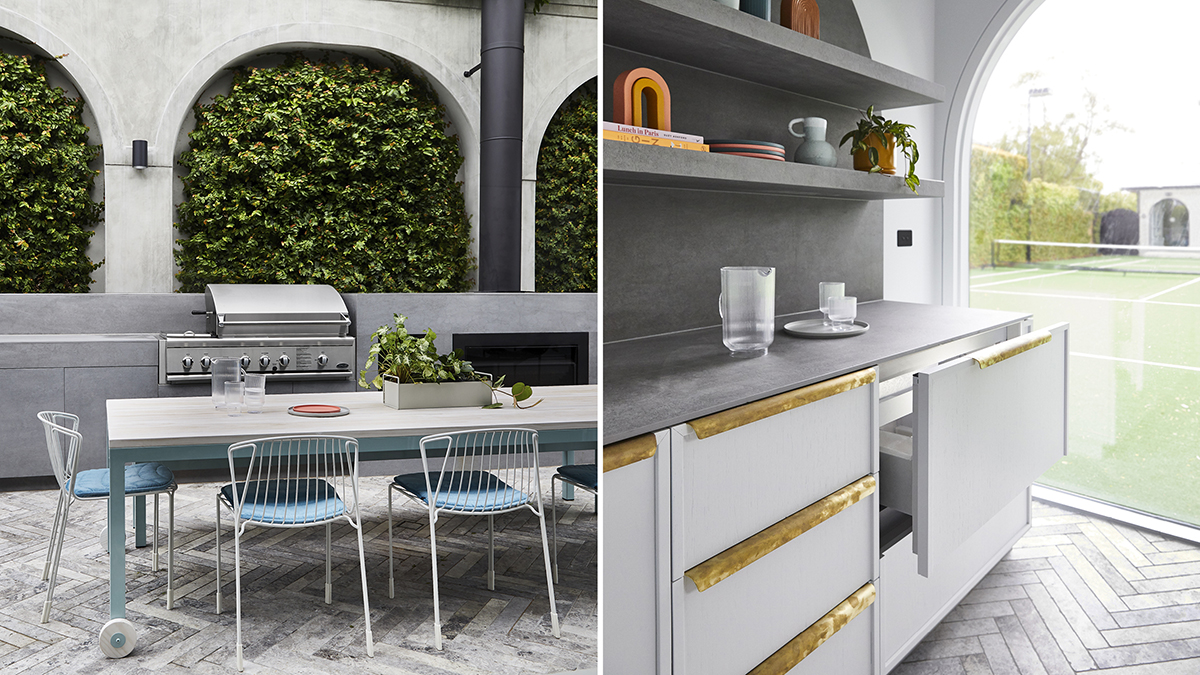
<point>653,140</point>
<point>653,133</point>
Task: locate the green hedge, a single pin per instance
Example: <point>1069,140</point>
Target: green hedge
<point>46,209</point>
<point>333,171</point>
<point>565,209</point>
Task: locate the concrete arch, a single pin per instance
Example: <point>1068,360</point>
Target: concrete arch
<point>544,110</point>
<point>455,92</point>
<point>77,70</point>
<point>964,102</point>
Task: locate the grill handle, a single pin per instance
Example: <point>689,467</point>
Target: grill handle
<point>199,312</point>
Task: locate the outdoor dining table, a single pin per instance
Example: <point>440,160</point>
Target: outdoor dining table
<point>190,432</point>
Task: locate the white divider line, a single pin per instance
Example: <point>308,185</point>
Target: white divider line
<point>1135,361</point>
<point>1089,297</point>
<point>1000,274</point>
<point>1173,288</point>
<point>1013,281</point>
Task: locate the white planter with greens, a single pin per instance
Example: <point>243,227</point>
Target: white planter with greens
<point>434,394</point>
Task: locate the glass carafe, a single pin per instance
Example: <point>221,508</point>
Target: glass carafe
<point>223,370</point>
<point>747,306</point>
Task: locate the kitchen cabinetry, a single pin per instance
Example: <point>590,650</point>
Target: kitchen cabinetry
<point>986,435</point>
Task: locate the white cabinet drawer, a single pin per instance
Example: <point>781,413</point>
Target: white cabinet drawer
<point>728,486</point>
<point>733,625</point>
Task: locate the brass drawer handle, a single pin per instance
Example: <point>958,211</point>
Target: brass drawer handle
<point>757,410</point>
<point>733,559</point>
<point>815,635</point>
<point>624,453</point>
<point>990,356</point>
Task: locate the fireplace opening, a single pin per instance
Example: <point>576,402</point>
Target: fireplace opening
<point>533,358</point>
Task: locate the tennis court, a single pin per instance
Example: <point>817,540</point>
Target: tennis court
<point>1134,411</point>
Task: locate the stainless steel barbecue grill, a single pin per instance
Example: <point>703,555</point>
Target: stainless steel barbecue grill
<point>287,331</point>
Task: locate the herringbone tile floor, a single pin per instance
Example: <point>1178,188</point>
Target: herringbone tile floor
<point>287,627</point>
<point>1076,594</point>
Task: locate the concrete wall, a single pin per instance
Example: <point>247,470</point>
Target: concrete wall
<point>73,352</point>
<point>141,65</point>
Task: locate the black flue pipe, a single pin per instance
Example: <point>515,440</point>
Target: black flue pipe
<point>500,122</point>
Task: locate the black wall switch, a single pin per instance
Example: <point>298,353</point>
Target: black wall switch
<point>904,237</point>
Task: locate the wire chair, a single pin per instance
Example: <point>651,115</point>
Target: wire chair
<point>292,481</point>
<point>63,442</point>
<point>483,472</point>
<point>581,476</point>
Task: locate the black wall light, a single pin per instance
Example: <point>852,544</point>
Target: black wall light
<point>139,154</point>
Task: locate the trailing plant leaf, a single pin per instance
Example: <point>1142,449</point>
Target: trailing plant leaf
<point>335,172</point>
<point>875,125</point>
<point>47,214</point>
<point>565,208</point>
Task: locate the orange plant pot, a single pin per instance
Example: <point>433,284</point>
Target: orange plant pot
<point>887,155</point>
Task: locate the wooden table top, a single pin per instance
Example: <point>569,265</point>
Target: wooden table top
<point>173,421</point>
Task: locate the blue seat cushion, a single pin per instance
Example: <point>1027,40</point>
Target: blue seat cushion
<point>582,474</point>
<point>288,502</point>
<point>139,479</point>
<point>470,491</point>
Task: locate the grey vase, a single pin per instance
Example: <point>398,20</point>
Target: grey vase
<point>815,149</point>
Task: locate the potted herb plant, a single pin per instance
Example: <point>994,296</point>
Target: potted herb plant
<point>875,141</point>
<point>413,375</point>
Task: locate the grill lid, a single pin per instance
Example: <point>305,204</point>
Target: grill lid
<point>311,310</point>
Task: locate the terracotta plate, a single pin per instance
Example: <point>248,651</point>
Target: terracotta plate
<point>318,410</point>
<point>758,155</point>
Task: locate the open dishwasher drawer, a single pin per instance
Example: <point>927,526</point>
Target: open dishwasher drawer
<point>983,428</point>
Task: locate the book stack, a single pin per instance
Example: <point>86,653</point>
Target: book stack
<point>668,139</point>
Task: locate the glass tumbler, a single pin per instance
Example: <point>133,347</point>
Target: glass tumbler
<point>235,390</point>
<point>842,312</point>
<point>827,290</point>
<point>256,390</point>
<point>747,306</point>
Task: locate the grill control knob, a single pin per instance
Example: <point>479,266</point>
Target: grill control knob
<point>205,362</point>
<point>187,363</point>
<point>264,360</point>
<point>284,360</point>
<point>322,360</point>
<point>244,361</point>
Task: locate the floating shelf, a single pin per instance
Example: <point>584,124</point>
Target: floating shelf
<point>709,35</point>
<point>650,166</point>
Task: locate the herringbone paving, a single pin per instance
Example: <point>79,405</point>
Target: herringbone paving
<point>1076,594</point>
<point>286,626</point>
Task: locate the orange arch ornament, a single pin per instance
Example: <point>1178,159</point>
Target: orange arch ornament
<point>628,90</point>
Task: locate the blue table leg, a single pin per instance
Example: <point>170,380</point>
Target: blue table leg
<point>567,488</point>
<point>139,521</point>
<point>116,538</point>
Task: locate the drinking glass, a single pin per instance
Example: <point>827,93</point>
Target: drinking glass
<point>256,389</point>
<point>842,311</point>
<point>235,391</point>
<point>747,306</point>
<point>827,290</point>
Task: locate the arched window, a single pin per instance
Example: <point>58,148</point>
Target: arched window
<point>1169,223</point>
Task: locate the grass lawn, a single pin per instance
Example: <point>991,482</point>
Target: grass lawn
<point>1134,388</point>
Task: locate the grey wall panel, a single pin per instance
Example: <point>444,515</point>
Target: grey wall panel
<point>18,351</point>
<point>86,393</point>
<point>664,250</point>
<point>101,313</point>
<point>26,392</point>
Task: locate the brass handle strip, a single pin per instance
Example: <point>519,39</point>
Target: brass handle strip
<point>815,635</point>
<point>624,453</point>
<point>990,356</point>
<point>733,418</point>
<point>737,557</point>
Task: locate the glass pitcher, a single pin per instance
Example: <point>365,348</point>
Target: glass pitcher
<point>223,370</point>
<point>747,307</point>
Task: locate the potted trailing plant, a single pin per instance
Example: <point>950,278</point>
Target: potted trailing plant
<point>413,375</point>
<point>875,141</point>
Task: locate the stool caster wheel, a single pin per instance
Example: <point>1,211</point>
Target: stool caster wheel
<point>118,638</point>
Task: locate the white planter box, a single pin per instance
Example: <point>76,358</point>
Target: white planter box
<point>435,395</point>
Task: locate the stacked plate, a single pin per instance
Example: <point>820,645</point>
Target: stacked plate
<point>757,149</point>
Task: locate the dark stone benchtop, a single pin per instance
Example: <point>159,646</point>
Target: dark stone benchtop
<point>656,382</point>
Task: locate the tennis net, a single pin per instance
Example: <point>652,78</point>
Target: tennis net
<point>1096,257</point>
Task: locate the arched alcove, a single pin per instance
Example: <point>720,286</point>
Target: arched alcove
<point>1169,223</point>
